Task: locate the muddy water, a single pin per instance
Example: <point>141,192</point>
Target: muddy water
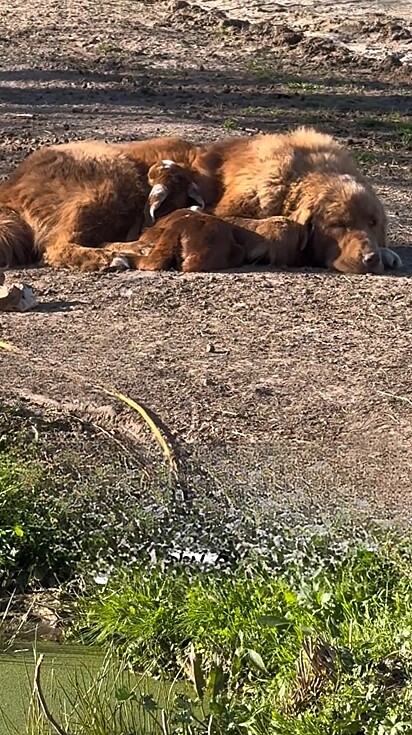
<point>61,664</point>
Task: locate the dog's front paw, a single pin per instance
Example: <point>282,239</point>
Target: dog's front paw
<point>119,262</point>
<point>390,259</point>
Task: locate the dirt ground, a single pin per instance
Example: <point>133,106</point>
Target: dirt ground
<point>290,387</point>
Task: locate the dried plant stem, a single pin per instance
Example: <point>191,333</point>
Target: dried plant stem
<point>43,704</point>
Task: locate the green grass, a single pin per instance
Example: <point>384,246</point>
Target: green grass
<point>365,157</point>
<point>230,124</point>
<point>304,86</point>
<point>404,130</point>
<point>271,112</point>
<point>259,625</point>
<point>108,48</point>
<point>263,68</point>
<point>60,513</point>
<point>30,524</point>
<point>391,123</point>
<point>39,523</point>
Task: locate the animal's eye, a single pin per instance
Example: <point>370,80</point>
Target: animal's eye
<point>339,225</point>
<point>373,222</point>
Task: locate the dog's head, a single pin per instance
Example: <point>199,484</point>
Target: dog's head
<point>348,223</point>
<point>172,187</point>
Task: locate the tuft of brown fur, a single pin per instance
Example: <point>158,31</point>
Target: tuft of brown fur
<point>16,239</point>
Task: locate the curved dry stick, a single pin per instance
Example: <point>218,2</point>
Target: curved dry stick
<point>43,704</point>
<point>166,449</point>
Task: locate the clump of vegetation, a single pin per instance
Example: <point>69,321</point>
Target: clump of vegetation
<point>303,652</point>
<point>230,124</point>
<point>50,526</point>
<point>69,502</point>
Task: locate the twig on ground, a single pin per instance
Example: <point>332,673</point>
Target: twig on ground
<point>166,449</point>
<point>405,399</point>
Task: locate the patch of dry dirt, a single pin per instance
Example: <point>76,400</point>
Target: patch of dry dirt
<point>294,387</point>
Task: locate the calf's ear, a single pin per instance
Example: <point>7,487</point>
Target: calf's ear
<point>194,193</point>
<point>305,235</point>
<point>303,216</point>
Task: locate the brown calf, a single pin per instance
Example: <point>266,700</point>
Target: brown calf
<point>194,241</point>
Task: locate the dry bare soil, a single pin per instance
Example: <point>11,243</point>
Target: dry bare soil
<point>288,387</point>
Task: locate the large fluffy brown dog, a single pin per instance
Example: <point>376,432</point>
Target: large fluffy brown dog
<point>75,199</point>
<point>306,175</point>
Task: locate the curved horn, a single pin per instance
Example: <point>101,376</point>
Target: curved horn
<point>302,215</point>
<point>194,193</point>
<point>157,195</point>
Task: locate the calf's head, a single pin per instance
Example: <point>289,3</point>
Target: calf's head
<point>172,187</point>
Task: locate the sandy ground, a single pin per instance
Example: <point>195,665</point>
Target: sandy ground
<point>290,386</point>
